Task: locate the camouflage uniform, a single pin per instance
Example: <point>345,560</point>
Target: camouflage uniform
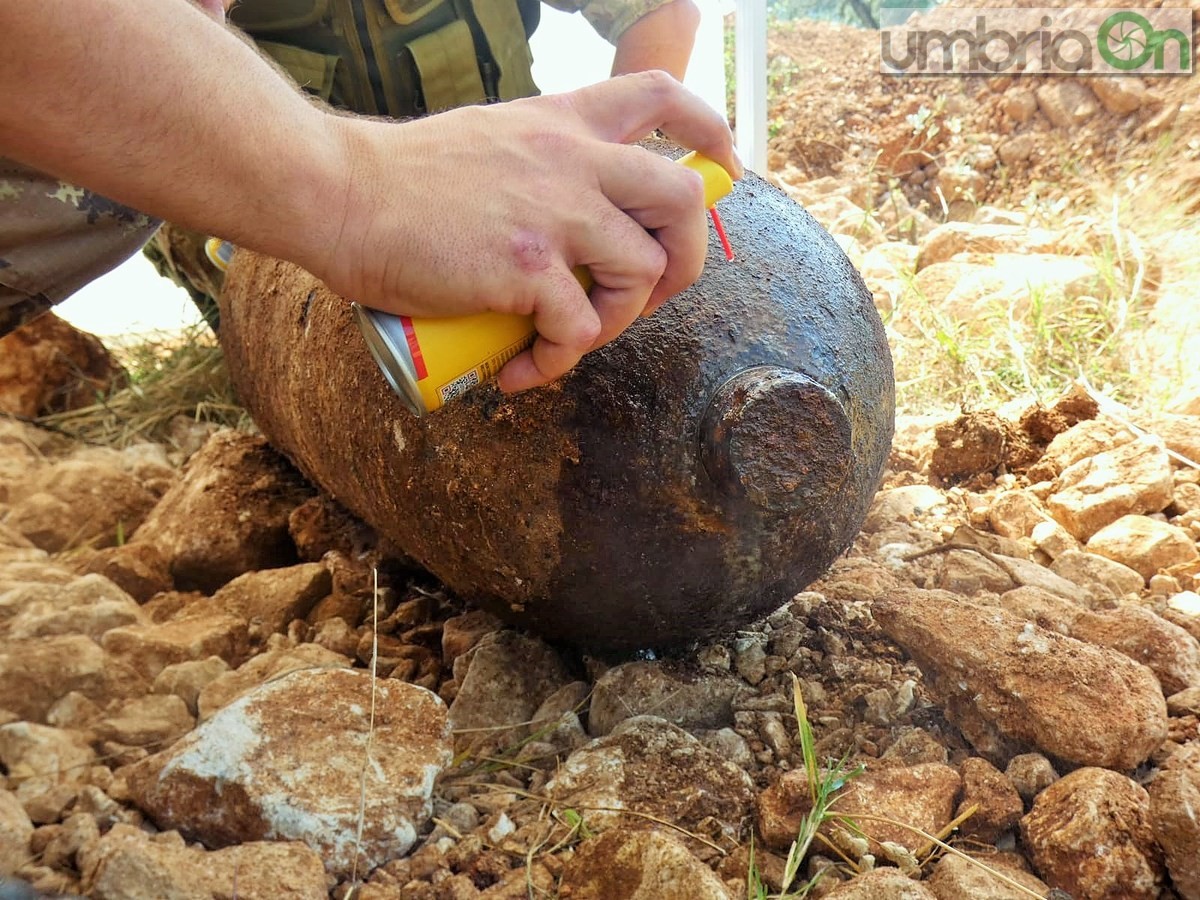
<point>55,238</point>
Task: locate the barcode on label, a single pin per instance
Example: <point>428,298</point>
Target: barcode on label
<point>459,386</point>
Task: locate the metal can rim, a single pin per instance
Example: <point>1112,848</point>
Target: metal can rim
<point>390,357</point>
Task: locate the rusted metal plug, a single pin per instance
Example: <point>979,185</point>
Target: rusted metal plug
<point>777,438</point>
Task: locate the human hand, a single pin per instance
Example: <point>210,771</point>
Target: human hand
<point>490,208</point>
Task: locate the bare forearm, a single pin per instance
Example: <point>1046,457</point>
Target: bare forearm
<point>151,85</point>
<point>662,39</point>
<point>157,106</point>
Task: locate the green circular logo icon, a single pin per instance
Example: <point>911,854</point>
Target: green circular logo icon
<point>1126,41</point>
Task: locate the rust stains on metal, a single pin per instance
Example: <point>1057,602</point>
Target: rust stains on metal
<point>686,478</point>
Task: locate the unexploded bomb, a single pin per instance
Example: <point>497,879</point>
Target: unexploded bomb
<point>683,480</point>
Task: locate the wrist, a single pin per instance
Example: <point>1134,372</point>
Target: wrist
<point>305,206</point>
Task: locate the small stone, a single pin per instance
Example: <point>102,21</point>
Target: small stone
<point>750,660</point>
<point>999,806</point>
<point>285,763</point>
<point>91,605</point>
<point>961,181</point>
<point>195,635</point>
<point>775,735</point>
<point>1089,569</point>
<point>1185,702</point>
<point>999,680</point>
<point>1186,498</point>
<point>666,690</point>
<point>228,514</point>
<point>921,796</point>
<point>151,721</point>
<point>1144,544</point>
<point>1164,585</point>
<point>1014,514</point>
<point>1086,438</point>
<point>77,831</point>
<point>902,505</point>
<point>138,569</point>
<point>1053,540</point>
<point>128,864</point>
<point>1185,603</point>
<point>73,711</point>
<point>16,830</point>
<point>336,634</point>
<point>1089,834</point>
<point>1017,149</point>
<point>272,598</point>
<point>35,673</point>
<point>1019,105</point>
<point>881,884</point>
<point>461,633</point>
<point>1030,774</point>
<point>916,746</point>
<point>48,365</point>
<point>728,744</point>
<point>77,503</point>
<point>955,878</point>
<point>462,817</point>
<point>1066,103</point>
<point>561,711</point>
<point>652,766</point>
<point>49,806</point>
<point>15,547</point>
<point>187,679</point>
<point>508,678</point>
<point>320,525</point>
<point>39,759</point>
<point>1135,478</point>
<point>638,865</point>
<point>264,667</point>
<point>1174,801</point>
<point>714,658</point>
<point>104,809</point>
<point>1120,95</point>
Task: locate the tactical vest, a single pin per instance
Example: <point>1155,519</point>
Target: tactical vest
<point>398,57</point>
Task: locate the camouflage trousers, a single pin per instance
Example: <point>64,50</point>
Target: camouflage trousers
<point>178,254</point>
<point>55,238</point>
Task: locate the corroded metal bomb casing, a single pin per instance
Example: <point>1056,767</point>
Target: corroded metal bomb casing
<point>687,478</point>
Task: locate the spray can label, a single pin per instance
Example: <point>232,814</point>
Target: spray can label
<point>431,361</point>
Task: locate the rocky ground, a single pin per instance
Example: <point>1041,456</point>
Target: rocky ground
<point>1078,195</point>
<point>216,683</point>
<point>185,673</point>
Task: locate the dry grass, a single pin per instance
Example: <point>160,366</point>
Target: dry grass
<point>1128,333</point>
<point>170,374</point>
<point>1128,330</point>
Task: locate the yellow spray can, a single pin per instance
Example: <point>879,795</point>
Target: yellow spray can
<point>431,361</point>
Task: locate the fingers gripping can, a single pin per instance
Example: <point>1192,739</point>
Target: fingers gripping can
<point>431,361</point>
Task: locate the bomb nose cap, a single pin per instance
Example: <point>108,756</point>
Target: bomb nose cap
<point>778,439</point>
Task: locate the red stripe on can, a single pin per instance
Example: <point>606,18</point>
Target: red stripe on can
<point>414,347</point>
